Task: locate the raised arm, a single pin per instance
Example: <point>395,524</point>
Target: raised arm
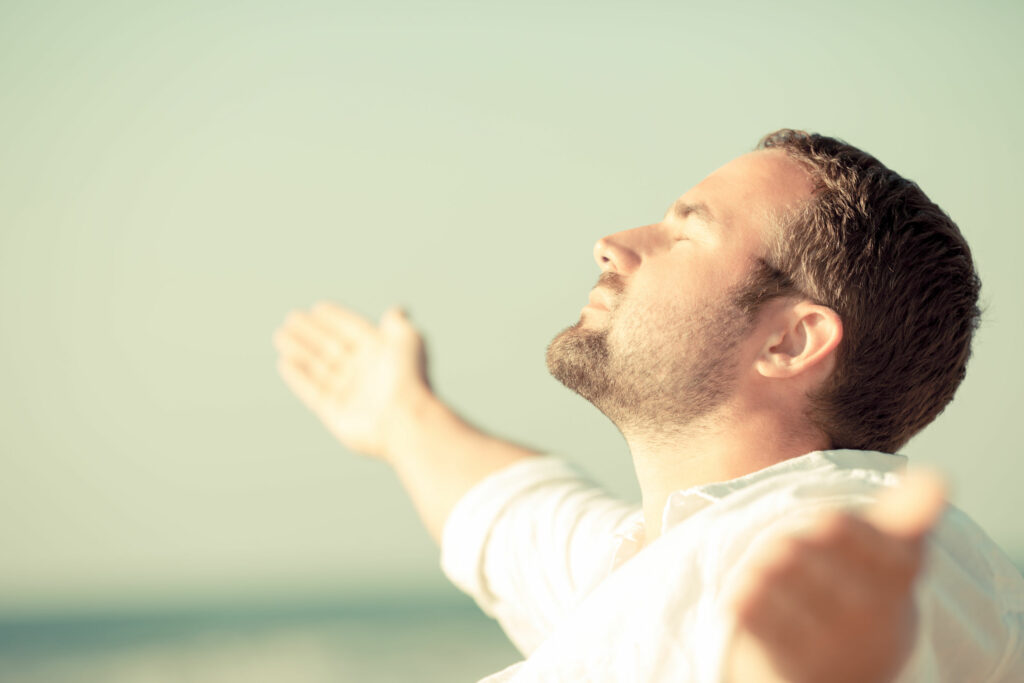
<point>368,385</point>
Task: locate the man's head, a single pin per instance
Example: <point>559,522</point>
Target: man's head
<point>873,247</point>
<point>804,270</point>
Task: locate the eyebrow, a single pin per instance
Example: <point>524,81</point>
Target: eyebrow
<point>699,209</point>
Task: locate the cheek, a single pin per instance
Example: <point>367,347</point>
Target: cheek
<point>648,317</point>
<point>661,312</point>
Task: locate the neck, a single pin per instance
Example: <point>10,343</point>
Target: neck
<point>722,447</point>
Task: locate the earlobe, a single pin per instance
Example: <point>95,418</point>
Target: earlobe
<point>808,335</point>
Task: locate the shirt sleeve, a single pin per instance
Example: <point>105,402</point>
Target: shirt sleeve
<point>970,601</point>
<point>530,541</point>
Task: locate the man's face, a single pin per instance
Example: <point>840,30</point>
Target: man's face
<point>661,343</point>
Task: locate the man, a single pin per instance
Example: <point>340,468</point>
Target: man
<point>789,324</point>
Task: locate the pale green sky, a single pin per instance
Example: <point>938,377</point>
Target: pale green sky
<point>175,178</point>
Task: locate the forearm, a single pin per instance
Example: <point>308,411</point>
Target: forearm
<point>438,457</point>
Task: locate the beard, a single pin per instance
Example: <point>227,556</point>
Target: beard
<point>658,382</point>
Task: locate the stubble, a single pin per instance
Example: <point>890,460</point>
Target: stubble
<point>653,375</point>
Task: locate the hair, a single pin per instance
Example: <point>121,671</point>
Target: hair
<point>871,246</point>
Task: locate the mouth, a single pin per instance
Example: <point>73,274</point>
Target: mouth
<point>603,295</point>
<point>598,301</point>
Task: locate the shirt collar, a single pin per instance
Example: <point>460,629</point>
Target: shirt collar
<point>684,503</point>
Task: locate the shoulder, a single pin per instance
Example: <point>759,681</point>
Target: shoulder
<point>970,601</point>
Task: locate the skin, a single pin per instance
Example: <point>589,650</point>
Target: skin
<point>833,604</point>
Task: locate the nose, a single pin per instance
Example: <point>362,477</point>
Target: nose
<point>622,252</point>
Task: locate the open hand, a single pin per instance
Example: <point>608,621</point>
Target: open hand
<point>359,379</point>
<point>835,603</point>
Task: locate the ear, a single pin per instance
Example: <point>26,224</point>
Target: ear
<point>803,336</point>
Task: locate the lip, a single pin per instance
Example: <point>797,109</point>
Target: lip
<point>597,301</point>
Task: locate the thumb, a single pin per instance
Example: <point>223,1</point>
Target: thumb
<point>911,509</point>
<point>395,323</point>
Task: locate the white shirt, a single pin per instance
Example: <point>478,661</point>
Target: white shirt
<point>555,560</point>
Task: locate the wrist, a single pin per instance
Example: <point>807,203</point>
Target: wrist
<point>420,409</point>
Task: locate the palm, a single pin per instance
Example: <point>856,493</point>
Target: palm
<point>358,398</point>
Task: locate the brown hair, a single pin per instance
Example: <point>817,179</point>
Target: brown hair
<point>871,246</point>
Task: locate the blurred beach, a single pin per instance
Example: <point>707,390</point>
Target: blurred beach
<point>415,640</point>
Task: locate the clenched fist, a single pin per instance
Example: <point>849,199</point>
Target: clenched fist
<point>361,380</point>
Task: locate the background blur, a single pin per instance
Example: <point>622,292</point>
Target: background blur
<point>176,177</point>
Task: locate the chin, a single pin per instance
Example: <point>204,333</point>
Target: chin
<point>578,358</point>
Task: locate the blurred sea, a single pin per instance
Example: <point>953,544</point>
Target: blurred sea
<point>415,640</point>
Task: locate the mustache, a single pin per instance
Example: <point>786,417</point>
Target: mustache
<point>612,281</point>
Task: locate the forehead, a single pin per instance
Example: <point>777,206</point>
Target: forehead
<point>744,192</point>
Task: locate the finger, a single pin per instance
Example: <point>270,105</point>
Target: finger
<point>290,345</point>
<point>393,320</point>
<point>912,509</point>
<point>314,337</point>
<point>345,324</point>
<point>395,324</point>
<point>301,384</point>
<point>320,364</point>
<point>324,347</point>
